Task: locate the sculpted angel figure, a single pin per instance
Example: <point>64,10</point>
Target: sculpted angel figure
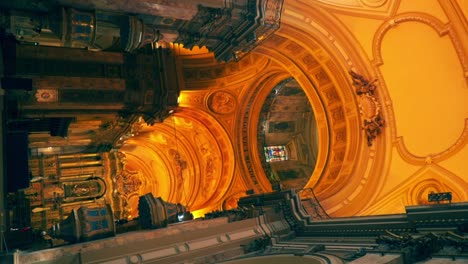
<point>363,86</point>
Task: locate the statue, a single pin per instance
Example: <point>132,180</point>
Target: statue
<point>369,106</point>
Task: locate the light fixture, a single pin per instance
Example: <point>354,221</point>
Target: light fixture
<point>180,217</point>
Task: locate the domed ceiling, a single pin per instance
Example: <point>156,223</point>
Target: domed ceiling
<point>288,136</point>
<point>212,150</point>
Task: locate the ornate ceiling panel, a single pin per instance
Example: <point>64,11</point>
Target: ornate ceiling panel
<point>187,159</point>
<point>379,8</point>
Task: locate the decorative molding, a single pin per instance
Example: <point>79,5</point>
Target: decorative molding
<point>430,177</point>
<point>254,174</point>
<point>369,107</point>
<point>374,3</point>
<point>200,74</point>
<point>126,185</point>
<point>417,193</point>
<point>212,150</point>
<point>441,28</point>
<point>458,27</point>
<point>222,102</point>
<point>407,156</point>
<point>46,95</point>
<point>330,128</point>
<point>363,8</point>
<point>191,98</point>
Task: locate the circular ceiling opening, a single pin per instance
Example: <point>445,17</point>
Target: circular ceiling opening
<point>287,131</point>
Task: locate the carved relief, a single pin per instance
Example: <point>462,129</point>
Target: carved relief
<point>214,27</point>
<point>340,135</point>
<point>180,164</point>
<point>368,106</point>
<point>46,95</point>
<point>322,77</point>
<point>211,159</point>
<point>205,178</point>
<point>331,95</point>
<point>310,61</point>
<point>272,9</point>
<point>222,102</point>
<point>128,182</point>
<point>211,18</point>
<point>339,155</point>
<point>338,114</point>
<point>126,186</point>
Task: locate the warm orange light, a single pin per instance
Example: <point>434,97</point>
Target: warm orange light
<point>182,98</point>
<point>198,214</point>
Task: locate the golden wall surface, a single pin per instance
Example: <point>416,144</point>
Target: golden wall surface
<point>417,52</point>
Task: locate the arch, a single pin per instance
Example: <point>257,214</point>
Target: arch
<point>329,94</point>
<point>194,158</point>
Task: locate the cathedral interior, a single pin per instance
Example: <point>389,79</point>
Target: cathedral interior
<point>234,131</point>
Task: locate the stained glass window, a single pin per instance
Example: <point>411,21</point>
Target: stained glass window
<point>275,153</point>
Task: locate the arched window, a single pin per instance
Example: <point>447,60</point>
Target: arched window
<point>275,153</point>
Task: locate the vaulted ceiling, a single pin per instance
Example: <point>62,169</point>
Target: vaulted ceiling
<point>206,155</point>
<point>415,50</point>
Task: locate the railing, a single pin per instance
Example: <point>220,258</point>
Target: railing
<point>439,197</point>
<point>312,205</point>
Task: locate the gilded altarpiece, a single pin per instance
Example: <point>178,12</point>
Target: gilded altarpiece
<point>61,183</point>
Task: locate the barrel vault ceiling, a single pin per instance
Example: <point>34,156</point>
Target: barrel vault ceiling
<point>206,154</point>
